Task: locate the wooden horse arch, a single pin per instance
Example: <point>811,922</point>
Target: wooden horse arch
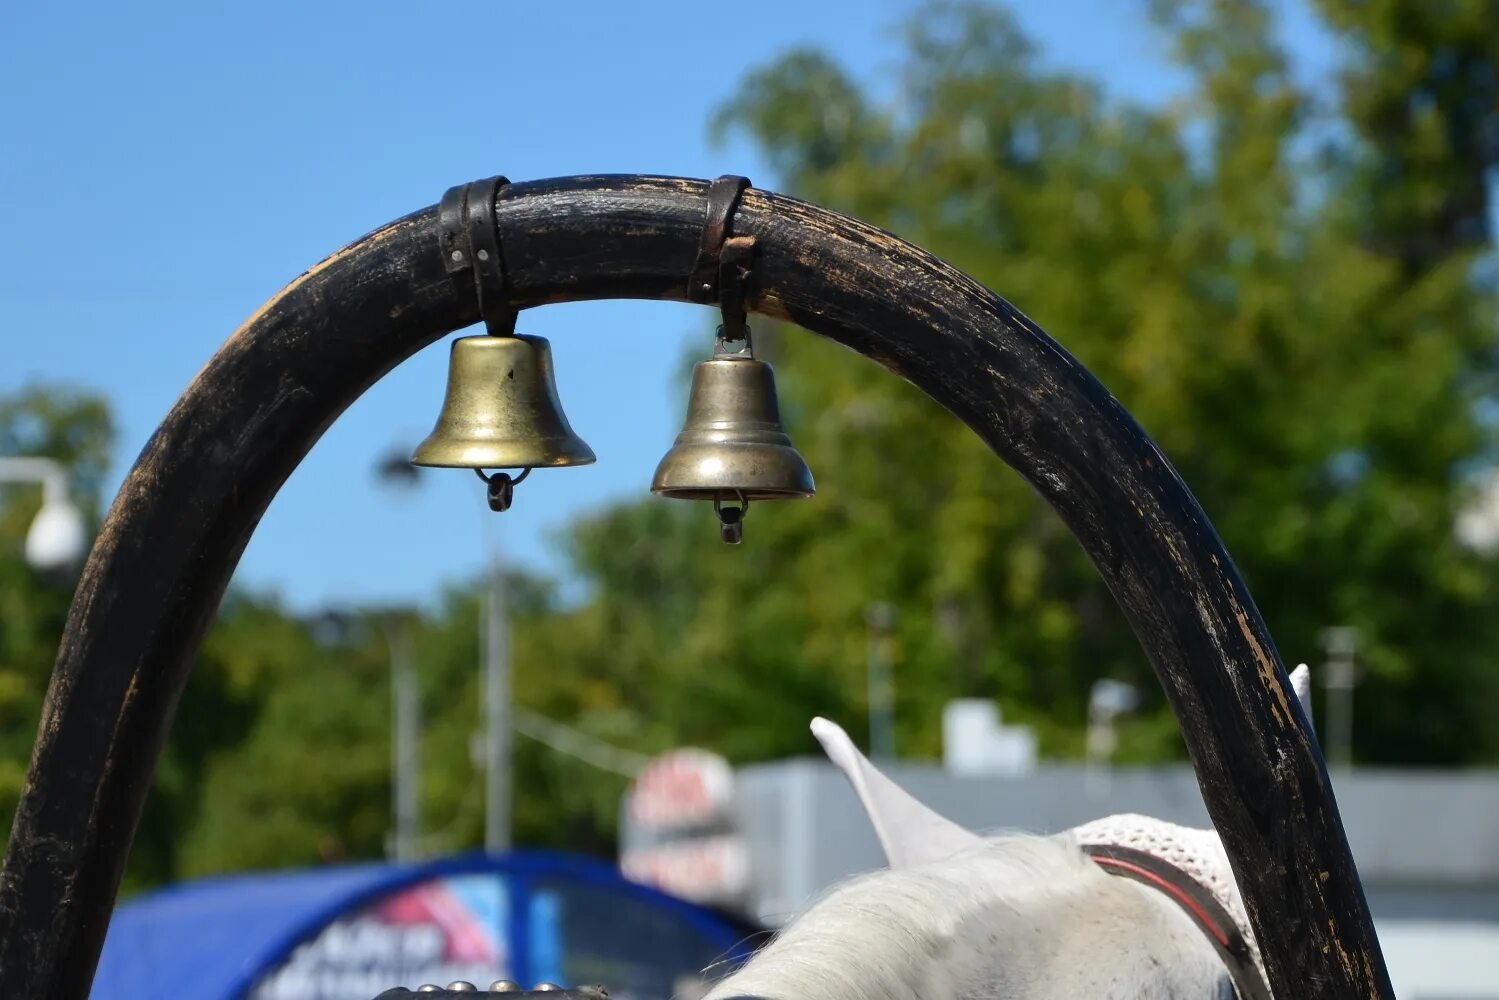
<point>187,509</point>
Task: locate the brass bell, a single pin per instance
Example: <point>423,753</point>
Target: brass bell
<point>501,412</point>
<point>733,446</point>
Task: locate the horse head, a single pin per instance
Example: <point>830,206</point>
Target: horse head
<point>960,916</point>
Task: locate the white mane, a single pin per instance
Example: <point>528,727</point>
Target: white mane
<point>1023,917</point>
<point>962,917</point>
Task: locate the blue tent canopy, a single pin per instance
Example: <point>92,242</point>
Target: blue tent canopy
<point>547,916</point>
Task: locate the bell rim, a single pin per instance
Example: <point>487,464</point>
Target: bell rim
<point>675,479</point>
<point>730,495</point>
<point>560,459</point>
<point>567,463</point>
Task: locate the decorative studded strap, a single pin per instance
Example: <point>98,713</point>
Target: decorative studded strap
<point>507,991</point>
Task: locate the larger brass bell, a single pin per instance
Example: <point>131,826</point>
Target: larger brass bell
<point>501,410</point>
<point>733,447</point>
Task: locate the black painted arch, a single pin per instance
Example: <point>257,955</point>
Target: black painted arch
<point>185,512</point>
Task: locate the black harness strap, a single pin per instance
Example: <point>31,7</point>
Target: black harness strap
<point>470,242</point>
<point>723,196</point>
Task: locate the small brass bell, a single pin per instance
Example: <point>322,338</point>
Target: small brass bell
<point>501,412</point>
<point>733,447</point>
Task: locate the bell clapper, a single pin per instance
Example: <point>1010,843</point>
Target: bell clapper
<point>731,519</point>
<point>501,488</point>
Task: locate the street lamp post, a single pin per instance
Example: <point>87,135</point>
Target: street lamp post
<point>497,714</point>
<point>879,618</point>
<point>495,757</point>
<point>1107,701</point>
<point>58,538</point>
<point>406,755</point>
<point>405,839</point>
<point>1339,677</point>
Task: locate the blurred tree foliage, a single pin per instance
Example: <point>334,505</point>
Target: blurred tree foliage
<point>1294,292</point>
<point>1288,292</point>
<point>74,428</point>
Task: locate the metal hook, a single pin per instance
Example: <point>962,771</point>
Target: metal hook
<point>723,338</point>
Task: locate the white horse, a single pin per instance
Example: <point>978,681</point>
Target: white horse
<point>957,916</point>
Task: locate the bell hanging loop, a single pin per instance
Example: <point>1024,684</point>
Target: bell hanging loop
<point>735,344</point>
<point>731,519</point>
<point>500,488</point>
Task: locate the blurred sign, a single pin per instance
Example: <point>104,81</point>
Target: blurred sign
<point>679,832</point>
<point>351,932</point>
<point>434,932</point>
<point>702,869</point>
<point>683,788</point>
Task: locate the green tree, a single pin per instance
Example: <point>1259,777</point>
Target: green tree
<point>1222,273</point>
<point>1421,93</point>
<point>279,753</point>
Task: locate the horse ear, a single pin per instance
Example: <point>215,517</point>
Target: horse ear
<point>910,833</point>
<point>1301,683</point>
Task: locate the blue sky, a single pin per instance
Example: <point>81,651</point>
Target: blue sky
<point>168,166</point>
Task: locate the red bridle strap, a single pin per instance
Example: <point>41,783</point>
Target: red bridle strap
<point>1197,901</point>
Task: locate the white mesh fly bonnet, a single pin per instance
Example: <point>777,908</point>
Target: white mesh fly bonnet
<point>1197,852</point>
<point>912,834</point>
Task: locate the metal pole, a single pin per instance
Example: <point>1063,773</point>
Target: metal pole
<point>406,771</point>
<point>497,739</point>
<point>1339,680</point>
<point>1107,701</point>
<point>1100,742</point>
<point>880,618</point>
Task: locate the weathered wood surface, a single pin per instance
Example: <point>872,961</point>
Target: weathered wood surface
<point>185,512</point>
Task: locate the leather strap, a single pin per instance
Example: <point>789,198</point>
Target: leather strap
<point>470,240</point>
<point>1200,904</point>
<point>723,197</point>
<point>735,269</point>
